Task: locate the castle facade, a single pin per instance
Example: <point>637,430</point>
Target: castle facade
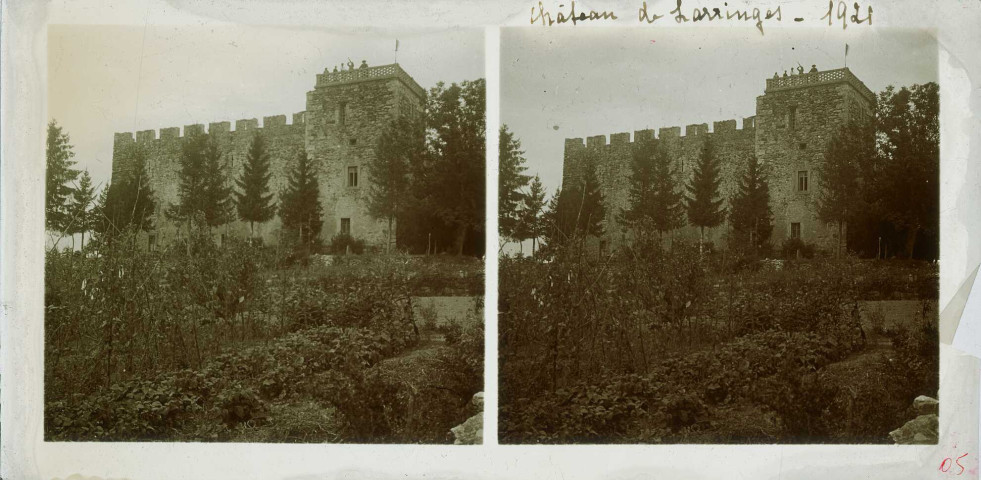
<point>796,117</point>
<point>346,113</point>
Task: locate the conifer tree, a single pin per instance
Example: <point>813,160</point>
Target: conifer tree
<point>751,217</point>
<point>639,213</point>
<point>80,208</point>
<point>512,180</point>
<point>702,203</point>
<point>129,201</point>
<point>58,176</point>
<point>299,205</point>
<point>218,204</point>
<point>254,201</point>
<point>203,191</point>
<point>530,223</point>
<point>667,210</point>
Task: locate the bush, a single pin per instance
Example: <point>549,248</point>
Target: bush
<point>792,247</point>
<point>344,243</point>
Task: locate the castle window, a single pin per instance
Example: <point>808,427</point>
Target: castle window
<point>792,118</point>
<point>802,146</point>
<point>353,142</point>
<point>345,226</point>
<point>151,243</point>
<point>352,176</point>
<point>802,181</point>
<point>795,230</point>
<point>341,115</point>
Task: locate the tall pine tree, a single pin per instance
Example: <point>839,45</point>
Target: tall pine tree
<point>299,204</point>
<point>639,214</point>
<point>58,176</point>
<point>512,181</point>
<point>702,203</point>
<point>751,218</point>
<point>80,208</point>
<point>667,209</point>
<point>254,201</point>
<point>218,204</point>
<point>530,220</point>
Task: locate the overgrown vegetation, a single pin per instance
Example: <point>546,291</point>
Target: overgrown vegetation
<point>651,345</point>
<point>204,343</point>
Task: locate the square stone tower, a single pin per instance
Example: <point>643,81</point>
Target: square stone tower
<point>346,113</point>
<point>796,118</point>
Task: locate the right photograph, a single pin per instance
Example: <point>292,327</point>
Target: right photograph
<point>715,236</point>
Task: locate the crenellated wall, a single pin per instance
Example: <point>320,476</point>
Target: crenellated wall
<point>795,119</point>
<point>733,146</point>
<point>283,141</point>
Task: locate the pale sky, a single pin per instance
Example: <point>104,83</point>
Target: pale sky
<point>569,83</point>
<point>106,79</point>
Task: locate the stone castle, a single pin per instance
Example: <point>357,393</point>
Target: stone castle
<point>346,113</point>
<point>796,117</point>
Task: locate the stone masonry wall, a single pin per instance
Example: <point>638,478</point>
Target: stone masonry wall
<point>335,145</point>
<point>733,146</point>
<point>795,119</point>
<point>373,97</point>
<point>283,141</point>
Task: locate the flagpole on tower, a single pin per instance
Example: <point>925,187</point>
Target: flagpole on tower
<point>846,55</point>
<point>396,51</point>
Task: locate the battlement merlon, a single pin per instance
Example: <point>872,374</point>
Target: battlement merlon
<point>693,130</point>
<point>380,72</point>
<point>827,77</point>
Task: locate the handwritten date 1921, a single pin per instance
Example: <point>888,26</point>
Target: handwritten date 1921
<point>840,12</point>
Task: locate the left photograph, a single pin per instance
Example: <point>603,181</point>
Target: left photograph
<point>300,262</point>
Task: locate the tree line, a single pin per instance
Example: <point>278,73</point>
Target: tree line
<point>427,173</point>
<point>871,172</point>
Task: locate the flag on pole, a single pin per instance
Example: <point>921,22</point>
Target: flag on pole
<point>846,54</point>
<point>396,44</point>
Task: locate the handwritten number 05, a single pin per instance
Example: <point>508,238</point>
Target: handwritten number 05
<point>948,463</point>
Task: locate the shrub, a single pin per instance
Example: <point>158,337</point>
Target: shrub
<point>792,247</point>
<point>344,243</point>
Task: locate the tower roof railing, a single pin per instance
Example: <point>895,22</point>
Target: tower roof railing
<point>370,73</point>
<point>819,78</point>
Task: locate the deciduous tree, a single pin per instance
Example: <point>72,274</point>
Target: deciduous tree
<point>400,146</point>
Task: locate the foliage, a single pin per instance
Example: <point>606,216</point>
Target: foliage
<point>666,202</point>
<point>908,131</point>
<point>202,192</point>
<point>640,212</point>
<point>652,346</point>
<point>254,202</point>
<point>80,207</point>
<point>129,202</point>
<point>795,247</point>
<point>530,224</point>
<point>299,204</point>
<point>511,180</point>
<point>343,243</point>
<point>449,183</point>
<point>400,146</point>
<point>751,215</point>
<point>841,200</point>
<point>58,176</point>
<point>703,205</point>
